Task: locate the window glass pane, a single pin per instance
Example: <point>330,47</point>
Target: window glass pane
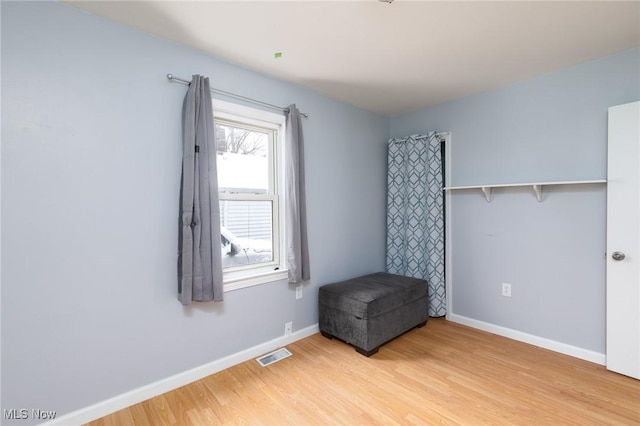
<point>243,159</point>
<point>246,232</point>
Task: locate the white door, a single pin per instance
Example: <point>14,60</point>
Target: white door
<point>623,235</point>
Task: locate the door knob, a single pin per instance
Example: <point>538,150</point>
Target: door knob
<point>618,255</point>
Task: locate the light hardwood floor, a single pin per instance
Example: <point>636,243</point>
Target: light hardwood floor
<point>443,373</point>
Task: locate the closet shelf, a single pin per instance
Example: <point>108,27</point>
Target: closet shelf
<point>536,186</point>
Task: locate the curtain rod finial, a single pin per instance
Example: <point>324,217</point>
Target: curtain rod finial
<point>170,76</point>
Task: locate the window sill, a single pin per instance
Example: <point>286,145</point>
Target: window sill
<point>232,283</point>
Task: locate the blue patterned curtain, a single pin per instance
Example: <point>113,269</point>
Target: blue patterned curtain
<point>415,214</point>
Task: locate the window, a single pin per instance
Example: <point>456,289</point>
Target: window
<point>249,145</point>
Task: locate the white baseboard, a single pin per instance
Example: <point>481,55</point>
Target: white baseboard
<point>552,345</point>
<point>143,393</point>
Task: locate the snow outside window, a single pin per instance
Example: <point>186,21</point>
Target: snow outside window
<point>249,146</point>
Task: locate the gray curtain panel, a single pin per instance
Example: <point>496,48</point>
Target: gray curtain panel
<point>415,214</point>
<point>296,208</point>
<point>199,258</point>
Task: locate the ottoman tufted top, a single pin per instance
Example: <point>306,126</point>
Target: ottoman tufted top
<point>371,295</point>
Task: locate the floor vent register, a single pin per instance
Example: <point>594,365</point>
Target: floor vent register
<point>274,356</point>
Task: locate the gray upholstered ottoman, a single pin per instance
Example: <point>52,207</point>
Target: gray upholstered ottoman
<point>371,310</point>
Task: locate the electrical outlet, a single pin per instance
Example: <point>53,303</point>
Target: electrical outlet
<point>299,292</point>
<point>287,328</point>
<point>506,289</point>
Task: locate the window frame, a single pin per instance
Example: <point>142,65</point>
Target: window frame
<point>246,276</point>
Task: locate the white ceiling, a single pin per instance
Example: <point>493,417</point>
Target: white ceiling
<point>390,58</point>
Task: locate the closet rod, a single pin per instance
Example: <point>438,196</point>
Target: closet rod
<point>233,95</point>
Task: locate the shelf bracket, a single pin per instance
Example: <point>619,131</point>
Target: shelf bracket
<point>487,193</point>
<point>538,190</point>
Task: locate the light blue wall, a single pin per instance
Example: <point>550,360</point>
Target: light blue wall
<point>91,158</point>
<point>549,128</point>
